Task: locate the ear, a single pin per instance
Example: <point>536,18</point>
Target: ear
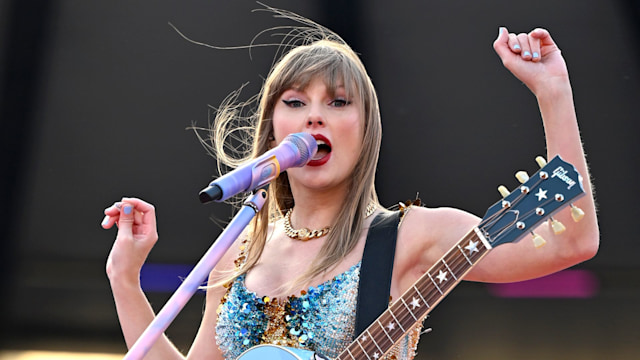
<point>272,140</point>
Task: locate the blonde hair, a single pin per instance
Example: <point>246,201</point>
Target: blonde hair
<point>324,55</point>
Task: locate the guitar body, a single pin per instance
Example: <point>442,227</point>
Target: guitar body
<point>275,352</point>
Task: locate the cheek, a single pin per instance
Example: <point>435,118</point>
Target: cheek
<point>354,128</point>
<point>282,125</point>
<point>352,136</point>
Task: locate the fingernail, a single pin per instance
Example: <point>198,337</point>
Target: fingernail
<point>127,209</point>
<point>500,30</point>
<point>526,53</point>
<point>536,55</point>
<point>516,47</point>
<point>105,221</point>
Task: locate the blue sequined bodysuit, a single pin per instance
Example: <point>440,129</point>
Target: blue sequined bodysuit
<point>321,319</point>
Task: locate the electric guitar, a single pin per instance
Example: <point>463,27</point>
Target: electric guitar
<point>552,188</point>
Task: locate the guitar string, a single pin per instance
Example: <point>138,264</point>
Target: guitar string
<point>488,223</point>
<point>456,265</point>
<point>405,317</point>
<point>518,198</point>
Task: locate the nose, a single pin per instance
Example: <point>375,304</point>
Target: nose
<point>315,118</point>
<point>313,122</point>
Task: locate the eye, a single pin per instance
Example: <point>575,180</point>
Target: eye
<point>294,103</point>
<point>340,103</point>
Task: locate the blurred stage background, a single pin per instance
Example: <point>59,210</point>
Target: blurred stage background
<point>96,97</point>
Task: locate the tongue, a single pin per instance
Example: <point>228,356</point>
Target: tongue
<point>320,154</point>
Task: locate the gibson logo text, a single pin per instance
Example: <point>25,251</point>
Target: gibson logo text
<point>561,174</point>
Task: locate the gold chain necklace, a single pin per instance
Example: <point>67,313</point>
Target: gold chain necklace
<point>306,234</point>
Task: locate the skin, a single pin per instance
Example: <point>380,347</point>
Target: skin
<point>426,233</point>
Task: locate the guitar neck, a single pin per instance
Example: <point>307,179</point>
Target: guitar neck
<point>416,303</point>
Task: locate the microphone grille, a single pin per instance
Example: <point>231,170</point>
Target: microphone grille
<point>306,146</point>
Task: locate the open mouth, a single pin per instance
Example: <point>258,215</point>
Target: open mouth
<point>324,151</point>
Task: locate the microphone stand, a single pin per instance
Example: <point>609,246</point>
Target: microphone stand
<point>198,275</point>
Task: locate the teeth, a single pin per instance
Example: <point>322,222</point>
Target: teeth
<point>321,142</point>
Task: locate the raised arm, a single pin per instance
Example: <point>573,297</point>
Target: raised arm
<point>427,234</point>
<point>536,60</point>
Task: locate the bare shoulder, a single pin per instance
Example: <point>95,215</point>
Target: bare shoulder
<point>421,223</point>
<point>425,234</point>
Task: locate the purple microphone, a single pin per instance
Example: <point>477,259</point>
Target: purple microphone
<point>294,151</point>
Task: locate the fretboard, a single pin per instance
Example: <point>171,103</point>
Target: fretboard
<point>416,303</point>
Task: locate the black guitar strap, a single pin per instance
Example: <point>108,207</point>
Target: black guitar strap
<point>376,269</point>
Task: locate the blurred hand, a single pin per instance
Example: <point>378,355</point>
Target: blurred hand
<point>534,58</point>
<point>137,233</point>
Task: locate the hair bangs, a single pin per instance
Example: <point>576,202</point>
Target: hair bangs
<point>324,62</point>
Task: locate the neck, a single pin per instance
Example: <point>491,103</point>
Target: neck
<point>316,209</point>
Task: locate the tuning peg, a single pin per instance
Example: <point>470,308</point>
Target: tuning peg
<point>522,176</point>
<point>503,191</point>
<point>541,161</point>
<point>557,226</point>
<point>576,213</point>
<point>538,241</point>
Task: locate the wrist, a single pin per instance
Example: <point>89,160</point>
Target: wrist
<point>553,89</point>
<point>123,281</point>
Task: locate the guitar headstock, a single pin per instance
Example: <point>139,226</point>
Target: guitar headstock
<point>550,189</point>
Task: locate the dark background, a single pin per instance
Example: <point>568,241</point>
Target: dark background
<point>96,97</point>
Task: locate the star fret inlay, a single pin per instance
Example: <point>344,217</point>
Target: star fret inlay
<point>442,276</point>
<point>391,326</point>
<point>415,303</point>
<point>472,247</point>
